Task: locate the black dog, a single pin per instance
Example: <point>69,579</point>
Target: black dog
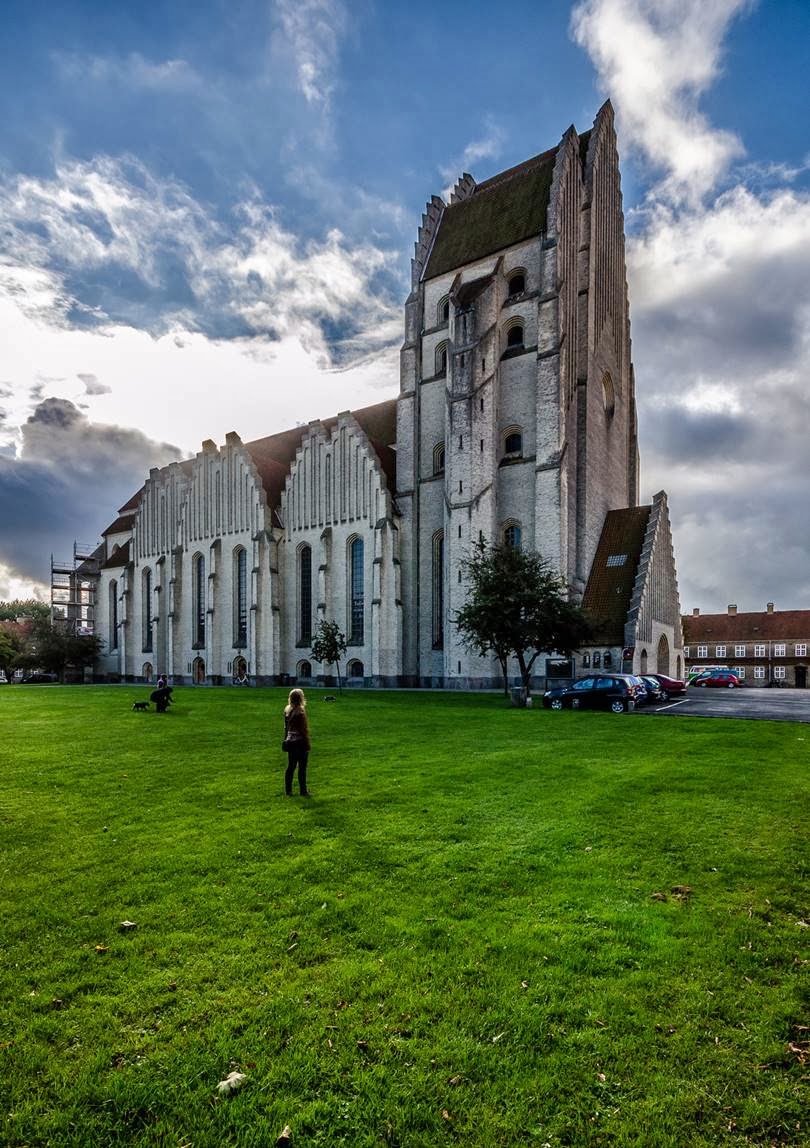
<point>330,698</point>
<point>140,705</point>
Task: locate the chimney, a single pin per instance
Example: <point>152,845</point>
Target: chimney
<point>732,609</point>
<point>696,612</point>
<point>769,607</point>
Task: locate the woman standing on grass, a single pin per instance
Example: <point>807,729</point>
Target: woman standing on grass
<point>296,738</point>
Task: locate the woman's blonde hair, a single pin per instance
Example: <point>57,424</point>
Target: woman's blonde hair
<point>296,700</point>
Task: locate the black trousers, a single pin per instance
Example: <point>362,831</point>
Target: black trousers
<point>297,756</point>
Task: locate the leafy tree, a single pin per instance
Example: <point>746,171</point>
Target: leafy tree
<point>518,605</point>
<point>329,646</point>
<point>55,649</point>
<point>10,647</point>
<point>25,608</point>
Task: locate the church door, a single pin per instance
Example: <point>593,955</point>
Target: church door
<point>801,677</point>
<point>662,658</point>
<point>198,672</point>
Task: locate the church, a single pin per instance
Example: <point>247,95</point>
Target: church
<point>515,422</point>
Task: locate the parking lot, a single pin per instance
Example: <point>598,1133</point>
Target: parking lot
<point>772,705</point>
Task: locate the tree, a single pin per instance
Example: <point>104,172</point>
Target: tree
<point>28,608</point>
<point>55,649</point>
<point>518,605</point>
<point>329,645</point>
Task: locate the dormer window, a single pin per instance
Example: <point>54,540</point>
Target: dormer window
<point>517,284</point>
<point>514,336</point>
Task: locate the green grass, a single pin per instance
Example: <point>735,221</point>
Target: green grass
<point>455,942</point>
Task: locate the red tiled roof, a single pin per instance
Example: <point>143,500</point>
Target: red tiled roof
<point>780,625</point>
<point>610,587</point>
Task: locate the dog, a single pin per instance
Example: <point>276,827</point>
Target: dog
<point>330,698</point>
<point>140,705</point>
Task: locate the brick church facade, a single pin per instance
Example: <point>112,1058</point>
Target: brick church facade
<point>515,422</point>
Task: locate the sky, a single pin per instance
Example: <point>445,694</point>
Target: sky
<point>208,210</point>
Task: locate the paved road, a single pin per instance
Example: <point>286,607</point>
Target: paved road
<point>774,705</point>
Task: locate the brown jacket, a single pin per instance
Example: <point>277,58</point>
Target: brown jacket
<point>296,727</point>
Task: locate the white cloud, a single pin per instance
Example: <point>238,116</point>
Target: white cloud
<point>487,146</point>
<point>313,31</point>
<point>132,70</point>
<point>655,58</point>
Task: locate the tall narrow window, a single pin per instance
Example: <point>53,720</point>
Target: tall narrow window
<point>356,626</point>
<point>198,600</point>
<point>147,610</point>
<point>441,359</point>
<point>514,336</point>
<point>438,590</point>
<point>113,615</point>
<point>240,598</point>
<point>512,536</point>
<point>304,595</point>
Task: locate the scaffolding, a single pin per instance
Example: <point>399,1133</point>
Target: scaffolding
<point>73,588</point>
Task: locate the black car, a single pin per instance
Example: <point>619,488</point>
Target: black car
<point>615,692</point>
<point>655,693</point>
<point>39,678</point>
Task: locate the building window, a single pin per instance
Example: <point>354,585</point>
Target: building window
<point>597,660</point>
<point>358,598</point>
<point>355,669</point>
<point>719,651</point>
<point>800,649</point>
<point>438,591</point>
<point>443,311</point>
<point>779,671</point>
<point>113,615</point>
<point>607,659</point>
<point>514,336</point>
<point>304,595</point>
<point>198,600</point>
<point>703,651</point>
<point>438,458</point>
<point>608,396</point>
<point>739,651</point>
<point>512,535</point>
<point>441,359</point>
<point>240,613</point>
<point>304,670</point>
<point>779,650</point>
<point>616,559</point>
<point>759,671</point>
<point>685,649</point>
<point>586,661</point>
<point>147,610</point>
<point>517,284</point>
<point>759,651</point>
<point>740,672</point>
<point>513,444</point>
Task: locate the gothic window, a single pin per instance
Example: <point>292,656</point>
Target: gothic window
<point>146,612</point>
<point>198,600</point>
<point>240,610</point>
<point>438,590</point>
<point>441,359</point>
<point>608,396</point>
<point>113,615</point>
<point>304,595</point>
<point>443,311</point>
<point>517,284</point>
<point>512,535</point>
<point>438,458</point>
<point>513,443</point>
<point>355,669</point>
<point>304,670</point>
<point>356,619</point>
<point>514,336</point>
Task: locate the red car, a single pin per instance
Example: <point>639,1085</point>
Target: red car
<point>720,678</point>
<point>670,687</point>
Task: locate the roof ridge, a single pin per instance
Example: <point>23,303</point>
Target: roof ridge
<point>511,172</point>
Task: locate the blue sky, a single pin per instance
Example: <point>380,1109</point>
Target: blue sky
<point>207,213</point>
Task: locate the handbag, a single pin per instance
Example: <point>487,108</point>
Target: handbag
<point>286,745</point>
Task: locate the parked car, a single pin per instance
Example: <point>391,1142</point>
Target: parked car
<point>654,692</point>
<point>615,692</point>
<point>670,687</point>
<point>720,678</point>
<point>3,678</point>
<point>39,677</point>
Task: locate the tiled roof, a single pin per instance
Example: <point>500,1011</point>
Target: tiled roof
<point>781,625</point>
<point>122,522</point>
<point>120,558</point>
<point>613,573</point>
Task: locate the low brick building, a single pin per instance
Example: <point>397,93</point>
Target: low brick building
<point>767,647</point>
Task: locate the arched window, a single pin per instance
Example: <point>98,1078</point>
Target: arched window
<point>642,664</point>
<point>438,458</point>
<point>304,595</point>
<point>517,284</point>
<point>438,590</point>
<point>356,583</point>
<point>597,660</point>
<point>355,669</point>
<point>586,661</point>
<point>512,535</point>
<point>113,615</point>
<point>441,359</point>
<point>240,602</point>
<point>608,395</point>
<point>514,336</point>
<point>443,311</point>
<point>146,610</point>
<point>304,670</point>
<point>607,659</point>
<point>513,443</point>
<point>198,600</point>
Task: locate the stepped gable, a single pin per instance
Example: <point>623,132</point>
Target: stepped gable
<point>610,586</point>
<point>500,212</point>
<point>779,626</point>
<point>272,456</point>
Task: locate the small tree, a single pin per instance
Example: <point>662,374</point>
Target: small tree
<point>329,646</point>
<point>518,605</point>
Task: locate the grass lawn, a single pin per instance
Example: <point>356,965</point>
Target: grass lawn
<point>468,936</point>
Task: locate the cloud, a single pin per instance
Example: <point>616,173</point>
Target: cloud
<point>487,146</point>
<point>132,70</point>
<point>313,31</point>
<point>91,384</point>
<point>655,58</point>
<point>67,481</point>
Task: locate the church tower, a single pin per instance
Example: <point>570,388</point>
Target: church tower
<point>516,419</point>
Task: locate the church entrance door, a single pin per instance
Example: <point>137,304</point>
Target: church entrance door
<point>662,656</point>
<point>198,672</point>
